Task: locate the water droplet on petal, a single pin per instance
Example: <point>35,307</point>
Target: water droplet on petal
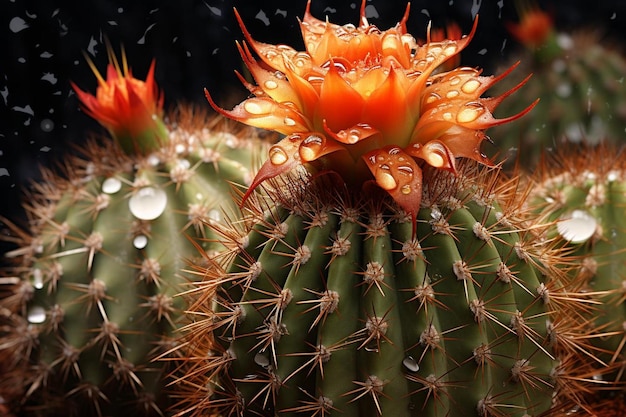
<point>411,364</point>
<point>289,121</point>
<point>277,155</point>
<point>270,84</point>
<point>148,203</point>
<point>469,114</point>
<point>577,226</point>
<point>406,189</point>
<point>111,185</point>
<point>470,86</point>
<point>253,107</point>
<point>386,181</point>
<point>36,315</point>
<point>140,242</point>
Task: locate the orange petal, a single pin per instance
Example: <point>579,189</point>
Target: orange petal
<point>278,88</point>
<point>435,153</point>
<point>397,173</point>
<point>283,157</point>
<point>315,146</point>
<point>352,135</point>
<point>265,113</point>
<point>339,104</point>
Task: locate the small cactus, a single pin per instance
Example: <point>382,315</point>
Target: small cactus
<point>579,80</point>
<point>90,302</point>
<point>385,274</point>
<point>581,193</point>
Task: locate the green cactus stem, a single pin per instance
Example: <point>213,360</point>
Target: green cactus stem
<point>92,294</point>
<point>332,305</point>
<point>581,192</point>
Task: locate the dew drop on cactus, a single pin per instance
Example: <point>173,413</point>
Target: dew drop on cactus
<point>148,203</point>
<point>577,226</point>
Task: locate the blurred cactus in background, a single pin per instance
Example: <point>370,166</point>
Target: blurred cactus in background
<point>579,78</point>
<point>89,302</point>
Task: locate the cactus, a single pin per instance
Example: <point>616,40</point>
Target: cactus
<point>581,193</point>
<point>384,274</point>
<point>90,302</point>
<point>334,306</point>
<point>579,78</point>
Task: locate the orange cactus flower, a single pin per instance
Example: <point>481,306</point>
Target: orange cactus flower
<point>129,108</point>
<point>366,104</point>
<point>534,28</point>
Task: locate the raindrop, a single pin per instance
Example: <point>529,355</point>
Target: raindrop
<point>4,172</point>
<point>111,185</point>
<point>148,203</point>
<point>262,17</point>
<point>277,155</point>
<point>50,77</point>
<point>261,360</point>
<point>36,315</point>
<point>411,364</point>
<point>577,226</point>
<point>140,241</point>
<point>17,24</point>
<point>47,125</point>
<point>142,40</point>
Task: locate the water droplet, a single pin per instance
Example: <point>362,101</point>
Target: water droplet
<point>577,226</point>
<point>270,84</point>
<point>452,94</point>
<point>111,185</point>
<point>277,155</point>
<point>470,86</point>
<point>411,364</point>
<point>469,114</point>
<point>261,360</point>
<point>386,181</point>
<point>447,116</point>
<point>253,107</point>
<point>140,241</point>
<point>47,125</point>
<point>37,279</point>
<point>289,121</point>
<point>36,315</point>
<point>148,203</point>
<point>406,189</point>
<point>17,24</point>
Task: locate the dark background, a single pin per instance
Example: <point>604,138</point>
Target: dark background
<point>193,41</point>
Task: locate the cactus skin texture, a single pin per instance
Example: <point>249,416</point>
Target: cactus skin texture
<point>581,192</point>
<point>578,78</point>
<point>92,300</point>
<point>331,306</point>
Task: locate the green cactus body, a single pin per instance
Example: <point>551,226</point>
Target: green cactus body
<point>101,265</point>
<point>582,194</point>
<point>337,308</point>
<point>579,80</point>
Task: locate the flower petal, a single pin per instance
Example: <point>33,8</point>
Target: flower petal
<point>340,105</point>
<point>283,157</point>
<point>265,113</point>
<point>397,173</point>
<point>435,153</point>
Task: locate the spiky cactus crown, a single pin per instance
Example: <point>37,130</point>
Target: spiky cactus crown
<point>367,105</point>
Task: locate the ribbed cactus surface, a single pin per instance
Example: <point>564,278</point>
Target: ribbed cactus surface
<point>581,192</point>
<point>332,305</point>
<point>93,290</point>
